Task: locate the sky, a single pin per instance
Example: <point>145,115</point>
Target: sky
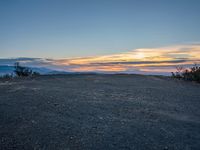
<point>106,35</point>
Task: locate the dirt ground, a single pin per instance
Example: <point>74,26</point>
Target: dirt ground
<point>99,112</point>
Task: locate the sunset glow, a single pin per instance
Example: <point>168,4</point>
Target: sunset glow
<point>162,60</point>
<point>114,36</point>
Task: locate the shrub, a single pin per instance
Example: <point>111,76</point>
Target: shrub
<point>21,71</point>
<point>35,73</point>
<point>191,74</point>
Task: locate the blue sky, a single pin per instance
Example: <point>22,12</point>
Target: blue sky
<point>79,28</point>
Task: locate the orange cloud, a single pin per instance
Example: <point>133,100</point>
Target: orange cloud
<point>100,68</point>
<point>157,59</point>
<point>145,60</point>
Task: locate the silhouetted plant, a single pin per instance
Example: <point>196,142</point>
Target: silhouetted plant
<point>35,73</point>
<point>21,71</point>
<point>191,74</point>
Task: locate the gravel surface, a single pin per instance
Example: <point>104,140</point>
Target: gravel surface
<point>99,112</point>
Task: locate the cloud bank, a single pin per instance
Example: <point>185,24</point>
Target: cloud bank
<point>145,61</point>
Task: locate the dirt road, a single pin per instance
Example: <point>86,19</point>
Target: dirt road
<point>99,112</point>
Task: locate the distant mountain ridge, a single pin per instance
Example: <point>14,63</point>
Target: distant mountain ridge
<point>6,69</point>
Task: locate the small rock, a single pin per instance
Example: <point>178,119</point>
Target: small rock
<point>33,121</point>
<point>56,104</point>
<point>101,118</point>
<point>165,148</point>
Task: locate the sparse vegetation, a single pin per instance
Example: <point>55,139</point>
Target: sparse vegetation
<point>7,76</point>
<point>191,74</point>
<point>21,71</point>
